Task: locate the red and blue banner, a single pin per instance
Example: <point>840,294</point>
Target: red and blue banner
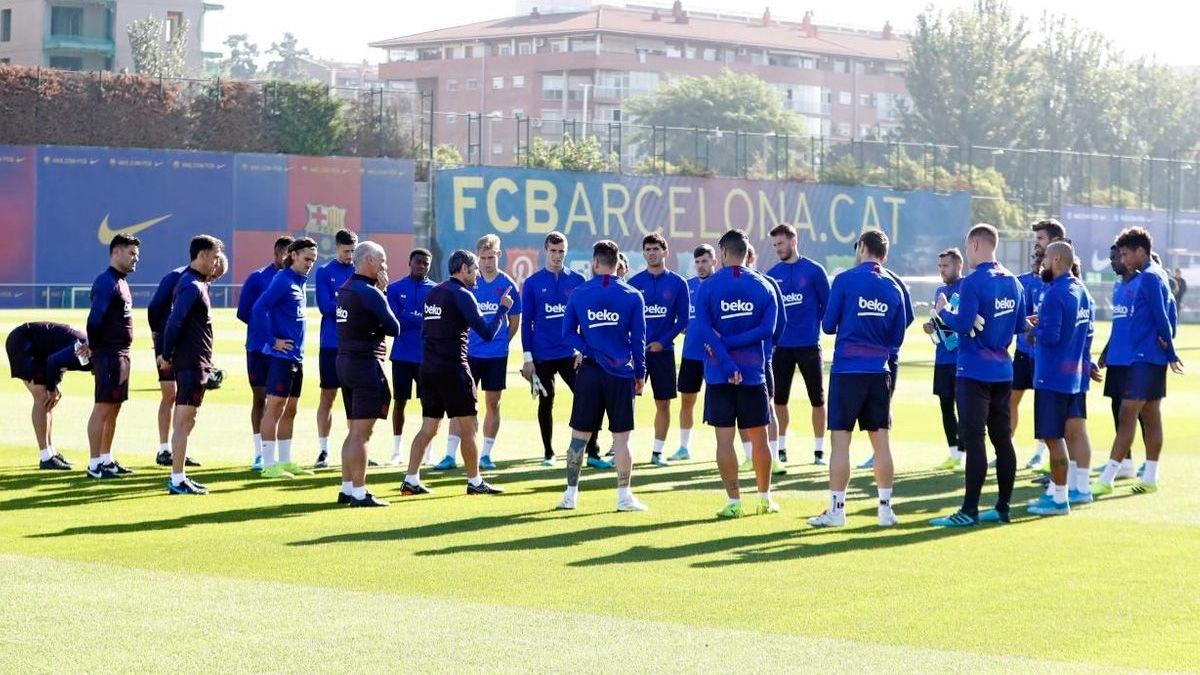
<point>60,206</point>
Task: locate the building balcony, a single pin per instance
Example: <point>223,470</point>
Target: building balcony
<point>80,44</point>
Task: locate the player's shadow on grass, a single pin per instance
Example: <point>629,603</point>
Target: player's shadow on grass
<point>442,528</point>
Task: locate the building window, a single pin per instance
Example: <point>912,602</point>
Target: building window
<point>710,54</point>
<point>518,81</point>
<point>689,52</point>
<point>5,25</point>
<point>843,129</point>
<point>524,48</point>
<point>558,45</point>
<point>5,61</point>
<point>845,98</point>
<point>66,62</point>
<point>497,83</point>
<point>505,49</point>
<point>552,87</point>
<point>66,21</point>
<point>451,85</point>
<point>518,112</point>
<point>497,148</point>
<point>472,83</point>
<point>174,26</point>
<point>583,45</point>
<point>866,100</point>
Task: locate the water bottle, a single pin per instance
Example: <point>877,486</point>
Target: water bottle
<point>83,360</point>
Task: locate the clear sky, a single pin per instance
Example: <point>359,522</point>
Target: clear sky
<point>341,29</point>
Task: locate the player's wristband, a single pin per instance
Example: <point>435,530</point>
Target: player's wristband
<point>528,357</point>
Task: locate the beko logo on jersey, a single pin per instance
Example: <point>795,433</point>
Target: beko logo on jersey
<point>342,314</point>
<point>736,308</point>
<point>656,310</point>
<point>603,317</point>
<point>555,311</point>
<point>489,307</point>
<point>790,299</point>
<point>1083,315</point>
<point>1005,306</point>
<point>872,307</point>
<point>433,312</point>
<point>1120,312</point>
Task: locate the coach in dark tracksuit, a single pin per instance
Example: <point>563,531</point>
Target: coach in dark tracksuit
<point>363,319</point>
<point>447,388</point>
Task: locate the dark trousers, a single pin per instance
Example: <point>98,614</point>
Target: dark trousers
<point>983,409</point>
<point>949,421</point>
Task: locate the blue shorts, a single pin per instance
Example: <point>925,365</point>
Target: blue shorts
<point>490,374</point>
<point>1145,382</point>
<point>746,406</point>
<point>365,394</point>
<point>190,385</point>
<point>596,394</point>
<point>864,398</point>
<point>404,377</point>
<point>691,376</point>
<point>257,364</point>
<point>1114,381</point>
<point>327,364</point>
<point>285,378</point>
<point>1052,409</point>
<point>660,372</point>
<point>1022,371</point>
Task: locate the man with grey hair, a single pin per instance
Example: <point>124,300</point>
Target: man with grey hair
<point>363,320</point>
<point>447,389</point>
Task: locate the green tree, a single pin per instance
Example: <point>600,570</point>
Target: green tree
<point>305,119</point>
<point>290,62</point>
<point>966,75</point>
<point>1161,110</point>
<point>1078,89</point>
<point>715,106</point>
<point>152,54</point>
<point>571,155</point>
<point>242,63</point>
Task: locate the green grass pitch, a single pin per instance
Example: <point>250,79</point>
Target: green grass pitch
<point>271,576</point>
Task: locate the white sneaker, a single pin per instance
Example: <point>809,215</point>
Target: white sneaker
<point>567,503</point>
<point>829,519</point>
<point>887,518</point>
<point>1127,470</point>
<point>631,503</point>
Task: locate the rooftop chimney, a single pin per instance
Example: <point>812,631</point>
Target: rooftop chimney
<point>766,17</point>
<point>535,14</point>
<point>654,16</point>
<point>677,11</point>
<point>807,24</point>
<point>888,33</point>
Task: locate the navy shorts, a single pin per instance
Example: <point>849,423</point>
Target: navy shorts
<point>327,363</point>
<point>1052,409</point>
<point>746,406</point>
<point>285,378</point>
<point>691,376</point>
<point>190,385</point>
<point>448,394</point>
<point>945,380</point>
<point>1145,382</point>
<point>365,393</point>
<point>808,360</point>
<point>111,370</point>
<point>660,372</point>
<point>490,374</point>
<point>1022,371</point>
<point>596,394</point>
<point>1114,381</point>
<point>22,362</point>
<point>404,377</point>
<point>864,398</point>
<point>257,364</point>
